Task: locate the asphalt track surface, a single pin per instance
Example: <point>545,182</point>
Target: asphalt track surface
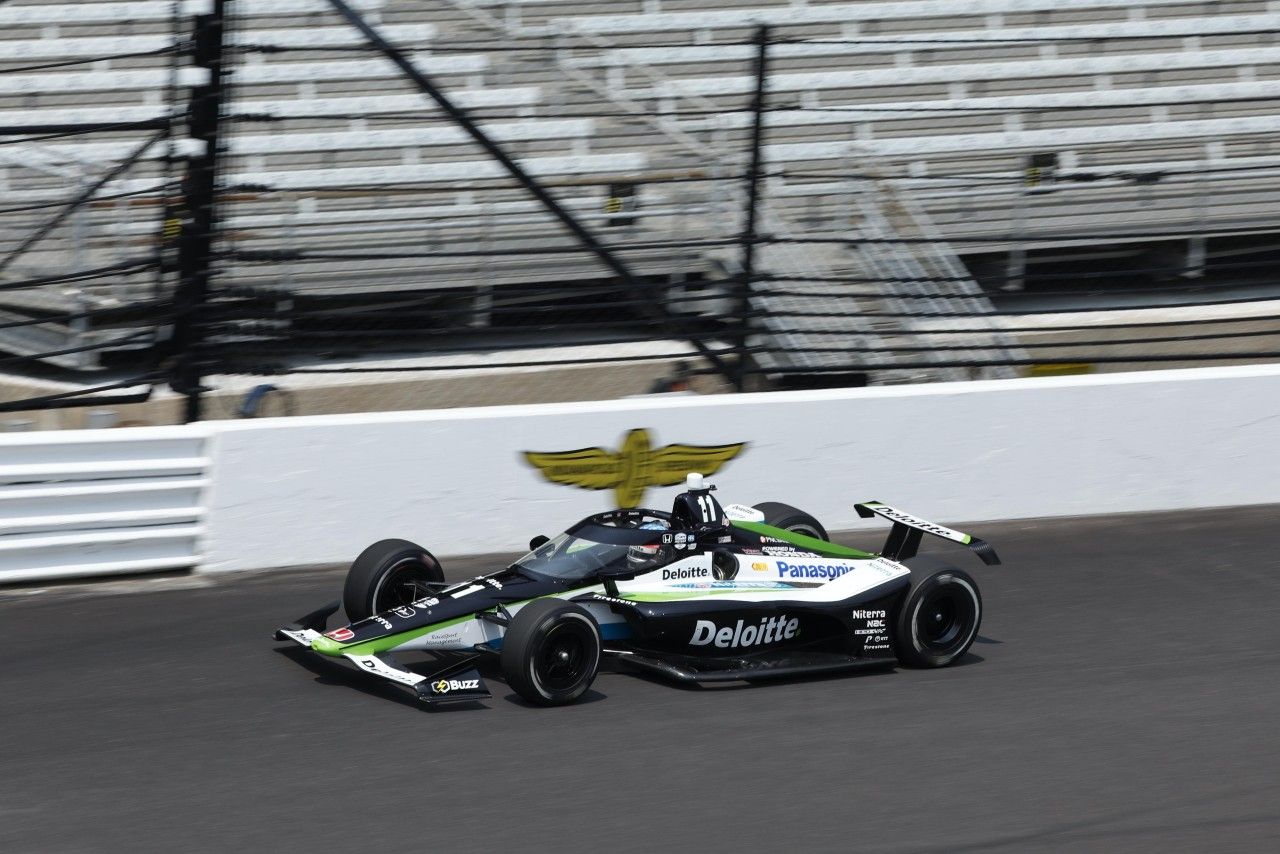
<point>1123,697</point>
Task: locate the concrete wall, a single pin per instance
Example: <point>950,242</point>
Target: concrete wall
<point>316,490</point>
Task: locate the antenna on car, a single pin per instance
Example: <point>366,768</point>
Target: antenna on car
<point>694,482</point>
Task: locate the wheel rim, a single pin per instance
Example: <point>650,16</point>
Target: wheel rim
<point>564,656</point>
<point>403,584</point>
<point>944,618</point>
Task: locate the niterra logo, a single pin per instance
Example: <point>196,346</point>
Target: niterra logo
<point>682,573</point>
<point>633,468</point>
<point>768,630</point>
<point>811,570</point>
<point>444,686</point>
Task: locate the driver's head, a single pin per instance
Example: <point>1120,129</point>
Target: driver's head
<point>643,558</point>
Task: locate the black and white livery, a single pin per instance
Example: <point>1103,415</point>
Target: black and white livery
<point>700,593</point>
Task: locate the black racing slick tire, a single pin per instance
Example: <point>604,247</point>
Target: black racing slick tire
<point>388,574</point>
<point>789,518</point>
<point>939,619</point>
<point>551,652</point>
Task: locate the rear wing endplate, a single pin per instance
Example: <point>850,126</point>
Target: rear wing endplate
<point>904,537</point>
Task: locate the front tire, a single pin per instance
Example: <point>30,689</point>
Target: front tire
<point>386,575</point>
<point>939,619</point>
<point>551,652</point>
<point>789,518</point>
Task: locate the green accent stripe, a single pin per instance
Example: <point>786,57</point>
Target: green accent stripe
<point>673,597</point>
<point>328,646</point>
<point>812,544</point>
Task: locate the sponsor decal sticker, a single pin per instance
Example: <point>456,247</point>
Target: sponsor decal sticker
<point>341,635</point>
<point>633,468</point>
<point>916,522</point>
<point>444,686</point>
<point>767,630</point>
<point>812,570</point>
<point>787,551</point>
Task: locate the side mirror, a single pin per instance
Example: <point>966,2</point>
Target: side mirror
<point>538,541</point>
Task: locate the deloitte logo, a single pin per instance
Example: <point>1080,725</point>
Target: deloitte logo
<point>684,572</point>
<point>768,630</point>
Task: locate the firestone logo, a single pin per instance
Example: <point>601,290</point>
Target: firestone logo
<point>768,630</point>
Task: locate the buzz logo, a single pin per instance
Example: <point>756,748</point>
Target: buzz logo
<point>768,630</point>
<point>444,686</point>
<point>811,570</point>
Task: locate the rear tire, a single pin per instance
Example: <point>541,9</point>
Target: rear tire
<point>551,652</point>
<point>789,518</point>
<point>939,619</point>
<point>386,575</point>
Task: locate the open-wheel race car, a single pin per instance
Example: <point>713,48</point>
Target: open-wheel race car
<point>698,594</point>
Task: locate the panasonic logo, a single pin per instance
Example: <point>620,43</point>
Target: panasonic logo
<point>681,573</point>
<point>768,630</point>
<point>811,570</point>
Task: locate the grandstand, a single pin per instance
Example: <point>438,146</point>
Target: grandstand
<point>922,157</point>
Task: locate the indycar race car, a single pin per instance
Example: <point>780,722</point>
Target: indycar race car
<point>699,594</point>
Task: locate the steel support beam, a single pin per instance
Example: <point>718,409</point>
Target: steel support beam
<point>753,200</point>
<point>577,229</point>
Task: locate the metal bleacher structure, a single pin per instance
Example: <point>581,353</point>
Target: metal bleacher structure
<point>875,105</point>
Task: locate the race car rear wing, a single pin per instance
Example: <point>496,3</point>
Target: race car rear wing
<point>904,537</point>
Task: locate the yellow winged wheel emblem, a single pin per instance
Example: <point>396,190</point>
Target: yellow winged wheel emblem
<point>633,468</point>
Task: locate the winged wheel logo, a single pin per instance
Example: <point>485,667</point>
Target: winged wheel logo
<point>633,468</point>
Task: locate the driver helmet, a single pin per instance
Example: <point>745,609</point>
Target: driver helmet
<point>642,558</point>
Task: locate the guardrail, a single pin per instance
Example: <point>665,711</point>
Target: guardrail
<point>305,491</point>
<point>99,502</point>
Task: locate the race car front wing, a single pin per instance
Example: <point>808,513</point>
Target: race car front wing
<point>459,682</point>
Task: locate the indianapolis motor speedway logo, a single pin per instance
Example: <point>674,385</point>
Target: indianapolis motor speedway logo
<point>633,468</point>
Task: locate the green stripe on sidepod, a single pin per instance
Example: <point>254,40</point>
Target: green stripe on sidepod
<point>700,594</point>
<point>329,646</point>
<point>812,544</point>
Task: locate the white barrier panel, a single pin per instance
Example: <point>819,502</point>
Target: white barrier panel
<point>302,491</point>
<point>96,502</point>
